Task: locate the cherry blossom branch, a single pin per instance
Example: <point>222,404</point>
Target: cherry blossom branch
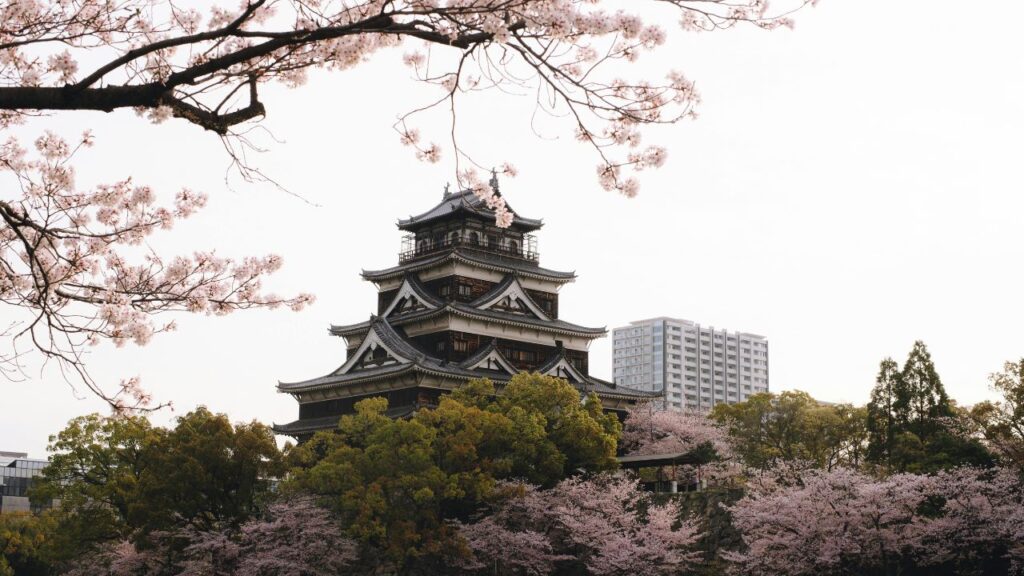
<point>69,258</point>
<point>168,62</point>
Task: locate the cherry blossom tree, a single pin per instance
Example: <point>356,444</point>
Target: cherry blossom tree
<point>73,261</point>
<point>294,538</point>
<point>205,64</point>
<point>649,429</point>
<point>605,523</point>
<point>845,522</point>
<point>1001,423</point>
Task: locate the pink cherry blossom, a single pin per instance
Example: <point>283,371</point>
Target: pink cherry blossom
<point>605,523</point>
<point>172,61</point>
<point>66,262</point>
<point>843,521</point>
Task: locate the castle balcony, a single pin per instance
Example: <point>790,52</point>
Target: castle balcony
<point>521,246</point>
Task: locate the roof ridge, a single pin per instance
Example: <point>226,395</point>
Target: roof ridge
<point>482,353</point>
<point>498,288</point>
<point>556,324</point>
<point>506,265</point>
<point>421,290</point>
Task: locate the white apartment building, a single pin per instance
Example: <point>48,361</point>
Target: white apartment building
<point>695,366</point>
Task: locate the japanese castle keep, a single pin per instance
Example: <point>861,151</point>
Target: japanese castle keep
<point>466,300</point>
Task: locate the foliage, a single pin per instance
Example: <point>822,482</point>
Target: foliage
<point>881,418</point>
<point>912,422</point>
<point>397,484</point>
<point>793,426</point>
<point>921,398</point>
<point>23,544</point>
<point>94,471</point>
<point>962,521</point>
<point>604,524</point>
<point>119,478</point>
<point>1001,423</point>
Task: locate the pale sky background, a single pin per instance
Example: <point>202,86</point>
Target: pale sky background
<point>850,187</point>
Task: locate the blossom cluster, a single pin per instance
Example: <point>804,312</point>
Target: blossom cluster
<point>844,521</point>
<point>75,259</point>
<point>650,429</point>
<point>195,63</point>
<point>596,521</point>
<point>294,537</point>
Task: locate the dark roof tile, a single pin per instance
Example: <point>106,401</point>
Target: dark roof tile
<point>465,201</point>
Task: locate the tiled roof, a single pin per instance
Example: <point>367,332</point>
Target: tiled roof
<point>417,360</point>
<point>421,290</point>
<point>467,311</point>
<point>310,425</point>
<point>465,201</point>
<point>471,310</point>
<point>510,318</point>
<point>483,259</point>
<point>480,354</point>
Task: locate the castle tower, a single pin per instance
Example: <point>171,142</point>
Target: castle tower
<point>467,300</point>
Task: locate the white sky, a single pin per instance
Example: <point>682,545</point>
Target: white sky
<point>850,187</point>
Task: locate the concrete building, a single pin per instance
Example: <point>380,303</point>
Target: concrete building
<point>693,366</point>
<point>17,472</point>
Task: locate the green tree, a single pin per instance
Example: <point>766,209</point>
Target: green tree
<point>793,426</point>
<point>207,471</point>
<point>580,431</point>
<point>95,469</point>
<point>843,436</point>
<point>1001,423</point>
<point>922,399</point>
<point>399,484</point>
<point>881,416</point>
<point>24,540</point>
<point>913,426</point>
<point>120,478</point>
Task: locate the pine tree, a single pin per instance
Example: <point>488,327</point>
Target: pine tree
<point>881,422</point>
<point>927,399</point>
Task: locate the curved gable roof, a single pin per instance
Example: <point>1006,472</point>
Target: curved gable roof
<point>466,202</point>
<point>468,256</point>
<point>510,287</point>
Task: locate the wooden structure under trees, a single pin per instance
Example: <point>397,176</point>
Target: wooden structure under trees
<point>467,300</point>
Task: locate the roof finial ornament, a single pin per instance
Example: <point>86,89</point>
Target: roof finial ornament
<point>494,182</point>
<point>446,192</point>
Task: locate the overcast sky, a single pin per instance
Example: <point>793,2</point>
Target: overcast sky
<point>850,187</point>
